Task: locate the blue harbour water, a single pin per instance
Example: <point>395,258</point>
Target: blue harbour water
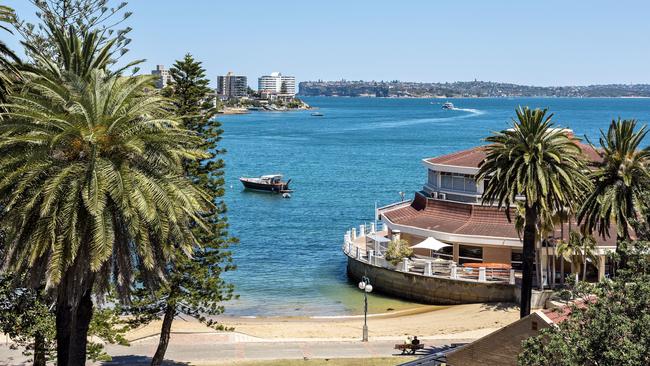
<point>362,151</point>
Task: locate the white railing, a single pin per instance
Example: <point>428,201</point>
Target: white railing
<point>420,266</point>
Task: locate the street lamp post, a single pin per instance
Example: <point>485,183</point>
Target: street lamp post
<point>366,287</point>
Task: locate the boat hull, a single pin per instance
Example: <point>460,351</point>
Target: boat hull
<point>274,188</point>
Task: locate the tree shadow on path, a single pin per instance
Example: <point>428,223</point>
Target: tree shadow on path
<point>136,360</point>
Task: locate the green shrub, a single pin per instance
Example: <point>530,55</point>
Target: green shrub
<point>398,250</point>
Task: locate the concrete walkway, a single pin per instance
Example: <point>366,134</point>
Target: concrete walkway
<point>218,349</point>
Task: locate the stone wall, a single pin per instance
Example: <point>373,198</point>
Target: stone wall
<point>427,289</point>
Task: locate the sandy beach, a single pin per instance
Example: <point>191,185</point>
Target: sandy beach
<point>468,321</point>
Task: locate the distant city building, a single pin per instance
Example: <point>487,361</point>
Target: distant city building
<point>232,86</point>
<point>164,78</point>
<point>277,84</point>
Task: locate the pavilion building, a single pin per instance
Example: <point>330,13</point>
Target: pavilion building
<point>465,250</point>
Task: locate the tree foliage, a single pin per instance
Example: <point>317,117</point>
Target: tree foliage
<point>397,250</point>
<point>540,164</point>
<point>620,180</point>
<point>84,16</point>
<point>195,286</point>
<point>27,317</point>
<point>8,59</point>
<point>610,330</point>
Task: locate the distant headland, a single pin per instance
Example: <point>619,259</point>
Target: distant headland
<point>465,89</point>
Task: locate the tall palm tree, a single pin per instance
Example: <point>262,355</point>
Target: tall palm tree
<point>536,163</point>
<point>8,59</point>
<point>92,185</point>
<point>619,180</point>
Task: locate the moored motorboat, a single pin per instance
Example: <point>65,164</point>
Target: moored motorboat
<point>317,114</point>
<point>267,183</point>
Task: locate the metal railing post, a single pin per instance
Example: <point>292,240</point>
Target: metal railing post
<point>453,271</point>
<point>512,277</point>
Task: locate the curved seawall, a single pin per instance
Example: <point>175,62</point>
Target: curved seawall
<point>429,289</point>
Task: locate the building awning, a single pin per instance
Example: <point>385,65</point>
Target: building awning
<point>378,238</point>
<point>430,243</point>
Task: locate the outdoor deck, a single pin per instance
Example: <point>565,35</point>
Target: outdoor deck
<point>362,246</point>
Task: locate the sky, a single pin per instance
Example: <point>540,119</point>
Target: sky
<point>543,43</point>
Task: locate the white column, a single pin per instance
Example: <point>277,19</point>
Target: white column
<point>453,271</point>
<point>405,264</point>
<point>362,230</point>
<point>358,253</point>
<point>371,256</point>
<point>601,267</point>
<point>512,277</point>
<point>384,227</point>
<point>427,269</point>
<point>481,275</point>
<point>354,233</point>
<point>372,227</point>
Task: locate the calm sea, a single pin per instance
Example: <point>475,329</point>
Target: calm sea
<point>363,150</point>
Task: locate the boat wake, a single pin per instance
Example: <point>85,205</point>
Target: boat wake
<point>410,122</point>
<point>470,110</point>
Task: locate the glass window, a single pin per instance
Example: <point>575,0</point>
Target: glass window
<point>458,183</point>
<point>470,184</point>
<point>433,178</point>
<point>446,181</point>
<point>470,252</point>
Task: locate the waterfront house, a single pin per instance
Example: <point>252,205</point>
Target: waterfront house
<point>482,245</point>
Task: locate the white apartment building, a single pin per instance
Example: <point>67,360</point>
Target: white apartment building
<point>164,78</point>
<point>277,84</point>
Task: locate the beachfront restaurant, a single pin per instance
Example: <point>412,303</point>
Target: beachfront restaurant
<point>446,223</point>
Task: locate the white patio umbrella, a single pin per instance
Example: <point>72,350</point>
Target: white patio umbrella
<point>430,243</point>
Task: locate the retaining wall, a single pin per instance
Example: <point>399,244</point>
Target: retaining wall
<point>427,289</point>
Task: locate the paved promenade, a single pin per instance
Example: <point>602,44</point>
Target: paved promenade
<point>226,348</point>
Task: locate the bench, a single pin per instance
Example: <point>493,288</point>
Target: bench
<point>409,348</point>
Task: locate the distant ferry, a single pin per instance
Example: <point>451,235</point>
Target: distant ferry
<point>317,114</point>
<point>268,183</point>
<point>448,105</point>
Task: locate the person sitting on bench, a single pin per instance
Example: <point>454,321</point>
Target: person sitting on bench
<point>415,341</point>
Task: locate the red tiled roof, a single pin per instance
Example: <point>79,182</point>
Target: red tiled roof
<point>559,315</point>
<point>454,218</point>
<point>471,158</point>
<point>464,219</point>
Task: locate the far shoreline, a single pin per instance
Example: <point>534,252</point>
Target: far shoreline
<point>471,97</point>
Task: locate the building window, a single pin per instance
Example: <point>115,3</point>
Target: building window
<point>516,258</point>
<point>445,180</point>
<point>458,182</point>
<point>433,178</point>
<point>469,254</point>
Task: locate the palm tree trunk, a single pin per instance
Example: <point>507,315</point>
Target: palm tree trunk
<point>64,318</point>
<point>39,349</point>
<point>553,269</point>
<point>528,259</point>
<point>622,254</point>
<point>159,357</point>
<point>584,264</point>
<point>81,324</point>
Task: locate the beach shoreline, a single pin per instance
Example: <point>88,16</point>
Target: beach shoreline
<point>465,321</point>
